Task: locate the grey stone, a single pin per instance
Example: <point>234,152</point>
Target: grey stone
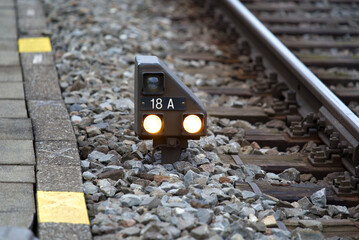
<point>201,159</point>
<point>132,231</point>
<point>201,232</point>
<point>17,233</point>
<point>17,152</point>
<point>92,131</point>
<point>204,215</point>
<point>15,129</point>
<point>124,104</point>
<point>49,109</point>
<point>164,213</point>
<point>108,158</point>
<point>194,178</point>
<point>129,200</point>
<point>63,153</point>
<point>12,109</point>
<point>59,178</point>
<point>245,211</point>
<point>305,203</point>
<point>106,187</point>
<point>49,231</point>
<point>174,202</point>
<point>220,223</point>
<point>10,74</point>
<point>16,173</point>
<point>290,174</point>
<point>173,232</point>
<point>9,58</point>
<point>95,155</point>
<point>85,165</point>
<point>281,234</point>
<point>166,186</point>
<point>11,90</point>
<point>55,130</point>
<point>319,198</point>
<point>248,194</point>
<point>90,188</point>
<point>208,143</point>
<point>89,176</point>
<point>184,221</point>
<point>318,210</point>
<point>134,164</point>
<point>334,210</point>
<point>151,202</point>
<point>293,212</point>
<point>146,218</point>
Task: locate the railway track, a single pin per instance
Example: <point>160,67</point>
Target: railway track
<point>281,156</point>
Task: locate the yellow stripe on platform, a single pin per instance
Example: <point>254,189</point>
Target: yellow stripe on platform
<point>62,207</point>
<point>29,45</point>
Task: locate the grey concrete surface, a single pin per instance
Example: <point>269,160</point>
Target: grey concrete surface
<point>17,152</point>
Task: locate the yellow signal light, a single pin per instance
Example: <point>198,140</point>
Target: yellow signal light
<point>192,124</point>
<point>152,124</point>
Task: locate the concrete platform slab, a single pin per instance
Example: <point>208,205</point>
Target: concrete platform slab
<point>40,73</point>
<point>6,11</point>
<point>30,59</point>
<point>8,58</point>
<point>15,129</point>
<point>62,153</point>
<point>17,152</point>
<point>16,197</point>
<point>17,174</point>
<point>42,90</point>
<point>26,24</point>
<point>12,90</point>
<point>55,130</point>
<point>13,109</point>
<point>49,231</point>
<point>10,74</point>
<point>50,109</point>
<point>59,178</point>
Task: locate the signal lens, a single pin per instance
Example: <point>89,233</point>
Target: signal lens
<point>152,124</point>
<point>192,123</point>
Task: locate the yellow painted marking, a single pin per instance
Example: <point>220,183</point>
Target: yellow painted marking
<point>62,207</point>
<point>29,45</point>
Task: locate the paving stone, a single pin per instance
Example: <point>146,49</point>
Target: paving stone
<point>16,173</point>
<point>42,90</point>
<point>17,197</point>
<point>7,4</point>
<point>64,231</point>
<point>40,73</point>
<point>57,153</point>
<point>8,58</point>
<point>13,109</point>
<point>15,129</point>
<point>17,152</point>
<point>11,90</point>
<point>56,129</point>
<point>10,74</point>
<point>8,45</point>
<point>29,59</point>
<point>49,109</point>
<point>59,178</point>
<point>20,222</point>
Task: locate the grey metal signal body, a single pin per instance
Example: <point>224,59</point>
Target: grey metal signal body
<point>159,92</point>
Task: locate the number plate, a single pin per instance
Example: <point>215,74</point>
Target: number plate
<point>163,103</point>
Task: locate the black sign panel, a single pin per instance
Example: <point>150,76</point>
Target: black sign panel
<point>163,103</point>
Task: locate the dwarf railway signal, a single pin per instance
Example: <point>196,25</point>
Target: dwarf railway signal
<point>165,109</point>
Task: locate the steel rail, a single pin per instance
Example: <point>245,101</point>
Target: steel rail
<point>313,93</point>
